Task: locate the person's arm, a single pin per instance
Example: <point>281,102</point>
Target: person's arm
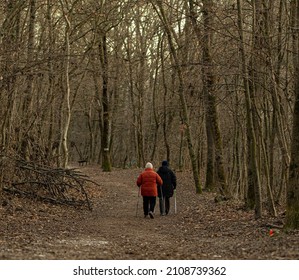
<point>159,181</point>
<point>139,180</point>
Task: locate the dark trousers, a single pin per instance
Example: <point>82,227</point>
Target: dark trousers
<point>164,203</point>
<point>149,203</point>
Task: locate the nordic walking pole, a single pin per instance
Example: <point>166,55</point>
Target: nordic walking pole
<point>175,210</point>
<point>139,190</point>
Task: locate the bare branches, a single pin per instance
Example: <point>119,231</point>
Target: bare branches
<point>55,185</point>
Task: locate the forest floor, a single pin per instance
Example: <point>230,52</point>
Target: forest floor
<point>201,228</point>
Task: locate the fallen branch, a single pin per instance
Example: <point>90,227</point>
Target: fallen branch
<point>45,199</point>
<point>55,185</point>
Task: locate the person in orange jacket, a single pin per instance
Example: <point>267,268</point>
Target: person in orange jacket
<point>148,181</point>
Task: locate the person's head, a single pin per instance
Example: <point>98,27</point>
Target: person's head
<point>149,165</point>
<point>164,163</point>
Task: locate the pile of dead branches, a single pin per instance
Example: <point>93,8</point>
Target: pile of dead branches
<point>55,185</point>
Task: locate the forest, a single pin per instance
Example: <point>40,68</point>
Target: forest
<point>211,86</point>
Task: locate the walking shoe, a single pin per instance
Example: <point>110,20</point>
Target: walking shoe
<point>145,216</point>
<point>151,214</point>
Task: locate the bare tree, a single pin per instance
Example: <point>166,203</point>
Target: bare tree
<point>106,130</point>
<point>215,160</point>
<point>292,218</point>
<point>9,69</point>
<point>158,6</point>
<point>67,94</point>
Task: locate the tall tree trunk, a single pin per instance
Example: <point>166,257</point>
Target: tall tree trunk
<point>216,177</point>
<point>140,86</point>
<point>50,93</point>
<point>67,94</point>
<point>133,143</point>
<point>98,98</point>
<point>185,116</point>
<point>211,110</point>
<point>156,117</point>
<point>28,93</point>
<point>253,163</point>
<point>106,133</point>
<point>165,96</point>
<point>292,217</point>
<point>279,119</point>
<point>9,43</point>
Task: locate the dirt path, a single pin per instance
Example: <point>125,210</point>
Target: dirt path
<point>201,229</point>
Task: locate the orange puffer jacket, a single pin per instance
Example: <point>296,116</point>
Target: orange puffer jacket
<point>148,181</point>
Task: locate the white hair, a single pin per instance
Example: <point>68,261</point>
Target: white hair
<point>149,165</point>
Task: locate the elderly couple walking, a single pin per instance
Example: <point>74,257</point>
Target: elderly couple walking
<point>161,183</point>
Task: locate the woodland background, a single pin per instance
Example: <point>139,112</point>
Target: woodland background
<point>210,86</point>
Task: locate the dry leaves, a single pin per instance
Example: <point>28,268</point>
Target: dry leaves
<point>202,229</point>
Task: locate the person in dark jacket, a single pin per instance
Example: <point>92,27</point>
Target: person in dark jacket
<point>149,181</point>
<point>165,192</point>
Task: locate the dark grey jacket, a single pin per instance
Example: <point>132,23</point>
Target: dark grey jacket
<point>169,181</point>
